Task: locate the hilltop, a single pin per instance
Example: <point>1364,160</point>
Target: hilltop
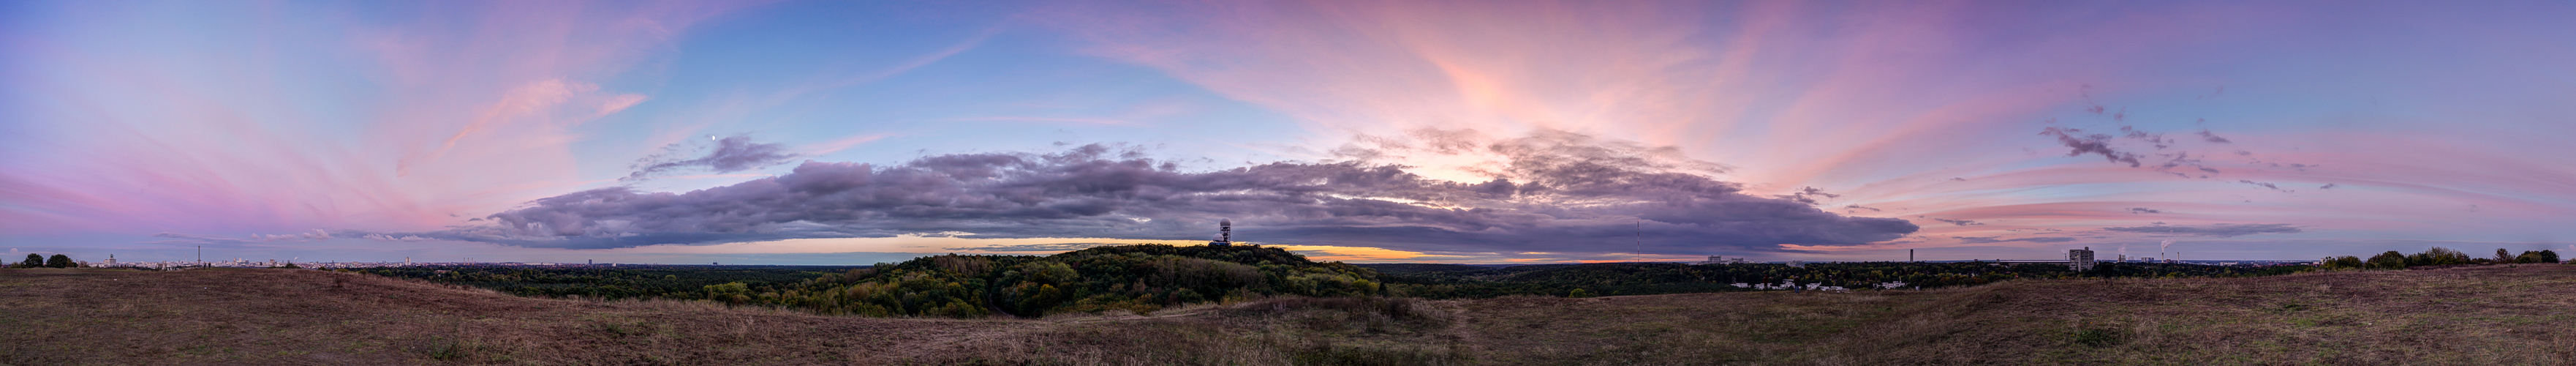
<point>2466,315</point>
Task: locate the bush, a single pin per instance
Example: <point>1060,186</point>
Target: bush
<point>2097,337</point>
<point>2437,256</point>
<point>2390,260</point>
<point>59,261</point>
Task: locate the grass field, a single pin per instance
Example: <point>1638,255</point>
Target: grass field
<point>2515,315</point>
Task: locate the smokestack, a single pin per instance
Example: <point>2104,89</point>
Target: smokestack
<point>1909,255</point>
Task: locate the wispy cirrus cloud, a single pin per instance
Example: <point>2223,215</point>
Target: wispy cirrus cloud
<point>1991,239</point>
<point>726,155</point>
<point>2217,230</point>
<point>346,115</point>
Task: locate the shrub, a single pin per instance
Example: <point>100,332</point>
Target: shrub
<point>32,261</point>
<point>2389,260</point>
<point>59,261</point>
<point>2097,337</point>
<point>1579,293</point>
<point>2437,256</point>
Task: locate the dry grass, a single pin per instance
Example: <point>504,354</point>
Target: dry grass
<point>1278,331</point>
<point>2493,315</point>
<point>245,316</point>
<point>2473,315</point>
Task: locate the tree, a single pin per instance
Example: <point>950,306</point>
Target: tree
<point>2390,260</point>
<point>33,261</point>
<point>2503,257</point>
<point>2344,262</point>
<point>2542,256</point>
<point>2437,256</point>
<point>59,261</point>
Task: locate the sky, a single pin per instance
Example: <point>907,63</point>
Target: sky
<point>850,133</point>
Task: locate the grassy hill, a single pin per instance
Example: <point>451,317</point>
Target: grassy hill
<point>2467,315</point>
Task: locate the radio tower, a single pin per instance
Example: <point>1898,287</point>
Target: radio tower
<point>1224,233</point>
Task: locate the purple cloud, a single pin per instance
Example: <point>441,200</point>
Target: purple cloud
<point>1561,194</point>
<point>730,154</point>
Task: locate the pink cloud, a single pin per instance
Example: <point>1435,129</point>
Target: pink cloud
<point>464,109</point>
<point>1884,104</point>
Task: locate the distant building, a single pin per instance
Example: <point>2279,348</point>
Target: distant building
<point>1797,264</point>
<point>1721,260</point>
<point>2080,259</point>
<point>1224,234</point>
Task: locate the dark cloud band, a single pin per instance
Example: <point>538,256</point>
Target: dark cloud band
<point>1546,201</point>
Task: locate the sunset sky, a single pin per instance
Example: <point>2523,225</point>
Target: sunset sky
<point>1372,131</point>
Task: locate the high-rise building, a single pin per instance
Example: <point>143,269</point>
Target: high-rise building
<point>2080,259</point>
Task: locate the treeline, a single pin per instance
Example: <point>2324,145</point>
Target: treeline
<point>1139,278</point>
<point>622,282</point>
<point>1462,281</point>
<point>2437,256</point>
<point>38,261</point>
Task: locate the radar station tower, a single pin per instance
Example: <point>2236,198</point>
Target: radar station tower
<point>1224,233</point>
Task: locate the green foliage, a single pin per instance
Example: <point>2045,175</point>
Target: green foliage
<point>2390,260</point>
<point>32,261</point>
<point>2344,262</point>
<point>2437,256</point>
<point>2538,256</point>
<point>1136,278</point>
<point>60,261</point>
<point>2097,337</point>
<point>1578,293</point>
<point>622,282</point>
